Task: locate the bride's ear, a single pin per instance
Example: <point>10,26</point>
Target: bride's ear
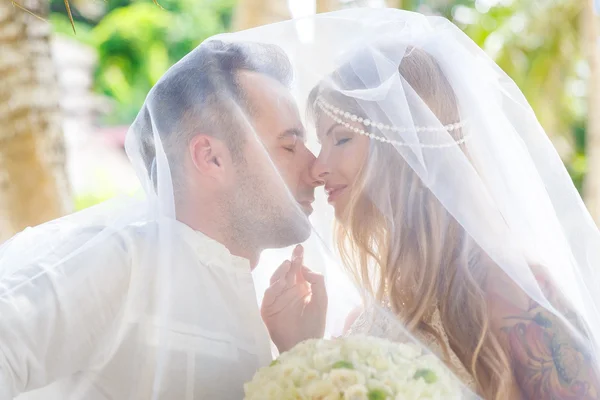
<point>210,156</point>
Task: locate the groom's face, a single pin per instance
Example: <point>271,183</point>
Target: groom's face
<point>277,186</point>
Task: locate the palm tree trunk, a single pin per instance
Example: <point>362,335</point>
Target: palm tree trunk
<point>592,179</point>
<point>253,13</point>
<point>33,181</point>
<point>324,6</point>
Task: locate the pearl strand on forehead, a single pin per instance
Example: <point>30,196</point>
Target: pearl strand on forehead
<point>337,114</point>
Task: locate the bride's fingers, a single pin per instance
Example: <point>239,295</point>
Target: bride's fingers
<point>290,270</point>
<point>317,282</point>
<point>273,292</point>
<point>313,277</point>
<point>298,254</point>
<point>281,272</point>
<point>297,264</point>
<point>277,302</point>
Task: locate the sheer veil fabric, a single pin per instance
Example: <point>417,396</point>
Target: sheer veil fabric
<point>468,183</point>
<point>459,178</point>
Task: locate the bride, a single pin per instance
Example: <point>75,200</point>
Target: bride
<point>444,218</point>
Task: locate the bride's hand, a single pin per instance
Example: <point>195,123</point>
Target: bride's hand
<point>295,304</point>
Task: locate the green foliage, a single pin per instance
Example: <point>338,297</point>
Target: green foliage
<point>62,25</point>
<point>428,375</point>
<point>539,47</point>
<point>538,44</point>
<point>85,201</point>
<point>132,44</point>
<point>342,365</point>
<point>137,41</point>
<point>377,394</point>
<point>577,165</point>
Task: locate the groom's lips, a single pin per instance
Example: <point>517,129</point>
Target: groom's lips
<point>333,192</point>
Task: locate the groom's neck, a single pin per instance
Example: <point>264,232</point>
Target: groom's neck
<point>213,225</point>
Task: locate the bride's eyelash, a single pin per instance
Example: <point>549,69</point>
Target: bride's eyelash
<point>342,141</point>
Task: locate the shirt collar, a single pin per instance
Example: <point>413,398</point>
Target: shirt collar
<point>210,251</point>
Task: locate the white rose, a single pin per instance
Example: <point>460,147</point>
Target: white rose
<point>379,362</point>
<point>324,361</point>
<point>352,369</point>
<point>293,371</point>
<point>322,390</point>
<point>343,378</point>
<point>271,390</point>
<point>356,392</point>
<point>310,375</point>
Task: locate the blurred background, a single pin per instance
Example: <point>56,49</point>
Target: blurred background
<point>67,98</point>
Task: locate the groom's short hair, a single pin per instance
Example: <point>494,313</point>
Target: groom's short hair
<point>202,94</point>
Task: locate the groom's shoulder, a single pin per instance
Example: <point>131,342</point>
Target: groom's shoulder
<point>62,237</point>
<point>150,235</point>
<point>64,240</point>
<point>66,247</point>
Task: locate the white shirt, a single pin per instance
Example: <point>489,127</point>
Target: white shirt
<point>105,324</point>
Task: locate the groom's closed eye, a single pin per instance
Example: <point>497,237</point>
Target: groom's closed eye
<point>290,148</point>
<point>290,138</point>
<point>289,145</point>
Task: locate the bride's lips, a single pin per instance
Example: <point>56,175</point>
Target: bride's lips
<point>334,192</point>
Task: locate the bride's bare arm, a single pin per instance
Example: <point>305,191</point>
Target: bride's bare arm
<point>548,361</point>
<point>352,317</point>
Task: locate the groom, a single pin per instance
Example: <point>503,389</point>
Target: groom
<point>65,334</point>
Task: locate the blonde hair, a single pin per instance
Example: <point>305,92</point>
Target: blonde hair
<point>424,258</point>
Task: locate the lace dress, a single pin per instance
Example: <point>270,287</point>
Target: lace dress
<point>376,324</point>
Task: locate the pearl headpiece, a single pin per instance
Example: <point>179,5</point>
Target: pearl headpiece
<point>339,115</point>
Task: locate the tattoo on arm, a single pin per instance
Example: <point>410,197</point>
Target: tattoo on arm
<point>548,361</point>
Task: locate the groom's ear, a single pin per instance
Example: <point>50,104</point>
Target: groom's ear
<point>210,156</point>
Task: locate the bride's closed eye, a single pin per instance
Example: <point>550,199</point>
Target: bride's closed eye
<point>339,140</point>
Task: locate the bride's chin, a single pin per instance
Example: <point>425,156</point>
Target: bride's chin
<point>339,212</point>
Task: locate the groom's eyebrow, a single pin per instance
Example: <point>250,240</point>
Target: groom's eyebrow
<point>292,132</point>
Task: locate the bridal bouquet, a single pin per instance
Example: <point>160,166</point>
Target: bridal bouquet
<point>353,368</point>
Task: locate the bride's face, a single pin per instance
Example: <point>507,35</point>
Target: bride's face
<point>342,155</point>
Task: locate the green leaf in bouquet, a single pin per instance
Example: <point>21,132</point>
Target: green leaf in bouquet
<point>377,394</point>
<point>274,362</point>
<point>342,365</point>
<point>428,375</point>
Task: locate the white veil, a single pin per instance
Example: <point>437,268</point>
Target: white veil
<point>502,200</point>
<point>469,183</point>
<point>127,299</point>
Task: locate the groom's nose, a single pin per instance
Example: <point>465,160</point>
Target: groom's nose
<point>309,177</point>
<point>319,171</point>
